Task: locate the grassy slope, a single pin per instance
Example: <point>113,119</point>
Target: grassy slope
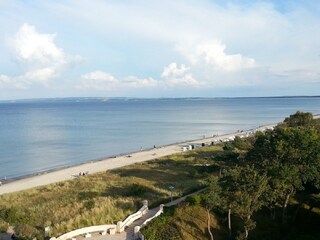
<point>105,197</point>
<point>184,223</point>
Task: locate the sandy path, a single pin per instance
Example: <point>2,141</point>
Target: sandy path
<point>106,164</point>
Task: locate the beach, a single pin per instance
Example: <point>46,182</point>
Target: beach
<point>115,162</point>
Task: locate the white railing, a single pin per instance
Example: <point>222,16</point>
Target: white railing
<point>137,232</point>
<point>130,219</point>
<point>160,211</point>
<point>103,229</point>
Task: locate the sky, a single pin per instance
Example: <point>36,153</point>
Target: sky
<point>151,49</point>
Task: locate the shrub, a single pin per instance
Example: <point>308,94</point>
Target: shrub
<point>194,200</point>
<point>228,146</point>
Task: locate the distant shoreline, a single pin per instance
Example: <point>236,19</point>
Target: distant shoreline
<point>53,99</point>
<point>111,162</point>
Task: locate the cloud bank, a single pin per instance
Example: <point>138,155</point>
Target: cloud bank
<point>131,46</point>
<point>38,56</point>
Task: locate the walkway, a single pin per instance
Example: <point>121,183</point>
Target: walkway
<point>152,212</point>
<point>128,234</point>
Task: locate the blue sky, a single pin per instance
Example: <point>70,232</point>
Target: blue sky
<point>191,48</point>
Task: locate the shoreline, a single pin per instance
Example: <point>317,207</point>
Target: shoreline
<point>64,173</point>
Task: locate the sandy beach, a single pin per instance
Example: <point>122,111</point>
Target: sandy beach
<point>112,163</point>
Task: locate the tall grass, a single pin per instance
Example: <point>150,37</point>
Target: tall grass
<point>105,197</point>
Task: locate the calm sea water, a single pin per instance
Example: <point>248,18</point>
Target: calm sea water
<point>46,134</point>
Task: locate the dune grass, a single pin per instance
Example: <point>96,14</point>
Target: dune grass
<point>106,197</point>
<point>184,222</point>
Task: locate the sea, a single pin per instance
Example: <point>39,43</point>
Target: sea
<point>46,134</point>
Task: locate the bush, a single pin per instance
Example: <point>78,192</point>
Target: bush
<point>228,146</point>
<point>193,200</point>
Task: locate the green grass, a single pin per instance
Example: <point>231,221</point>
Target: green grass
<point>184,222</point>
<point>106,197</point>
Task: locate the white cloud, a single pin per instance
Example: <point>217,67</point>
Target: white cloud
<point>38,54</point>
<point>214,54</point>
<point>172,70</point>
<point>4,79</point>
<point>100,80</point>
<point>175,76</point>
<point>135,82</point>
<point>231,39</point>
<point>172,76</point>
<point>30,46</point>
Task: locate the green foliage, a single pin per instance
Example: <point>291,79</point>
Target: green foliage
<point>299,119</point>
<point>228,146</point>
<point>193,200</point>
<point>14,215</point>
<point>243,190</point>
<point>187,220</point>
<point>241,144</point>
<point>211,198</point>
<point>163,227</point>
<point>290,156</point>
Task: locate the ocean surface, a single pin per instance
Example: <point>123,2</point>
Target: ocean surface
<point>41,135</point>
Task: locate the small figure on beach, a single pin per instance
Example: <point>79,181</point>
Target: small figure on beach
<point>80,173</point>
<point>154,146</point>
<point>0,183</point>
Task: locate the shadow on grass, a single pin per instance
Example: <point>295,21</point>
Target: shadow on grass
<point>132,190</point>
<point>304,227</point>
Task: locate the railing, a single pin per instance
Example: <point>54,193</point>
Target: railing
<point>160,211</point>
<point>104,229</point>
<point>137,232</point>
<point>130,219</point>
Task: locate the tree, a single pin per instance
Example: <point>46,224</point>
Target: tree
<point>299,119</point>
<point>290,156</point>
<point>243,192</point>
<point>211,199</point>
<point>241,144</point>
